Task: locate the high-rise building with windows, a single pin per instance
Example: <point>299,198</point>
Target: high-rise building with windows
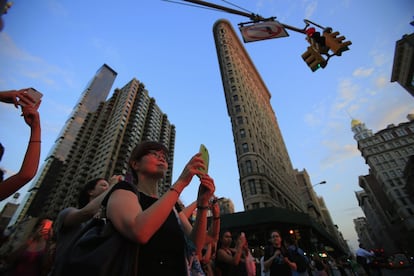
<point>372,201</point>
<point>387,153</point>
<point>403,66</point>
<point>104,140</point>
<point>95,93</point>
<point>267,177</point>
<point>363,231</point>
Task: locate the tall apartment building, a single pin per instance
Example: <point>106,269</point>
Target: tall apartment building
<point>315,206</point>
<point>309,197</point>
<point>363,232</point>
<point>403,66</point>
<point>267,177</point>
<point>372,201</point>
<point>95,92</point>
<point>387,153</point>
<point>103,143</point>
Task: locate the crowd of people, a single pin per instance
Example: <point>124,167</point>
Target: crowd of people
<point>159,225</point>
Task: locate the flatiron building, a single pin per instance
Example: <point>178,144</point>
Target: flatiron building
<point>267,177</point>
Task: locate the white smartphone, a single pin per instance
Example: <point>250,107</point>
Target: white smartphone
<point>34,94</point>
<point>204,154</point>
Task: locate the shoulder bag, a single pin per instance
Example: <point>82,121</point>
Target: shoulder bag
<point>99,249</point>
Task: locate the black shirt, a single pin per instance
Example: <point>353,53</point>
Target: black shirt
<point>164,253</point>
<point>278,266</point>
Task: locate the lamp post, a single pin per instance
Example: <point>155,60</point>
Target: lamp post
<point>322,182</point>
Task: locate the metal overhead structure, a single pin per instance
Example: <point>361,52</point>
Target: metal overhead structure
<point>322,46</point>
<point>253,17</point>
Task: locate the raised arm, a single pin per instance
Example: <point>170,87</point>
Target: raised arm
<point>77,216</point>
<point>205,192</point>
<point>31,159</point>
<point>236,257</point>
<point>139,225</point>
<point>214,230</point>
<point>188,211</point>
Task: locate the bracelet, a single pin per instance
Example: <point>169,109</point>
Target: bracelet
<point>202,207</point>
<point>175,190</point>
<point>35,141</point>
<point>215,218</point>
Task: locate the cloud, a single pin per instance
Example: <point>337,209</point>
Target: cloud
<point>347,91</point>
<point>381,82</point>
<point>337,188</point>
<point>337,153</point>
<point>363,72</point>
<point>10,50</point>
<point>379,58</point>
<point>315,118</point>
<point>23,64</point>
<point>310,8</point>
<point>57,9</point>
<point>394,115</point>
<point>312,119</point>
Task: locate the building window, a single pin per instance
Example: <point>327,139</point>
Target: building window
<point>242,133</point>
<point>237,108</point>
<point>401,132</point>
<point>235,98</point>
<point>387,136</point>
<point>261,185</point>
<point>252,187</point>
<point>249,167</point>
<point>245,147</point>
<point>272,192</point>
<point>239,120</point>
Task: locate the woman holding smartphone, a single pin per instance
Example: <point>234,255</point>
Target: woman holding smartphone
<point>152,221</point>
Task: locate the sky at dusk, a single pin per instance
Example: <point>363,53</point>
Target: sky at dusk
<point>57,47</point>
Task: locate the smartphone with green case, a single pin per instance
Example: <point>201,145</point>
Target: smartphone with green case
<point>204,154</point>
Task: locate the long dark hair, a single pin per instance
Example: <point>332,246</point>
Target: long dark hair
<point>84,193</point>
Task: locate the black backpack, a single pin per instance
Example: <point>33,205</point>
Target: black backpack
<point>300,260</point>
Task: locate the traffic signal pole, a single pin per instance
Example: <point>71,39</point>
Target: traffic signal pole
<point>326,45</point>
<point>251,16</point>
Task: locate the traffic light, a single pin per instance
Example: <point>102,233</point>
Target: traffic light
<point>336,44</point>
<point>297,234</point>
<point>4,6</point>
<point>316,40</point>
<point>314,59</point>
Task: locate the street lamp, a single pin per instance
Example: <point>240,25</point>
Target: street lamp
<point>322,182</point>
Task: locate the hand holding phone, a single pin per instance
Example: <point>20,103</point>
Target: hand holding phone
<point>205,156</point>
<point>33,98</point>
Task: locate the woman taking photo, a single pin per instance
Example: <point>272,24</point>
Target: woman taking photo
<point>153,221</point>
